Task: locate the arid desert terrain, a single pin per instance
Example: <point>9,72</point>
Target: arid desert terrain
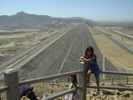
<point>18,40</point>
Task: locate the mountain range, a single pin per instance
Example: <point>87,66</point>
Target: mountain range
<point>23,19</point>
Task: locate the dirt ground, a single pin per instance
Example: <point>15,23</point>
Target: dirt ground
<point>43,90</point>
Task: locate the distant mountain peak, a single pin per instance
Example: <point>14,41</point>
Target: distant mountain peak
<point>21,13</point>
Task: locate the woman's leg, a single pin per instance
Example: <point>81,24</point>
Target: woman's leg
<point>97,82</point>
<point>89,75</point>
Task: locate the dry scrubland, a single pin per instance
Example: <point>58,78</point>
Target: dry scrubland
<point>18,40</point>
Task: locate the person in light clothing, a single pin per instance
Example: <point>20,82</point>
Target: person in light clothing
<point>72,84</point>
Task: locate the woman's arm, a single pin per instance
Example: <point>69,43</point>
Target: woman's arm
<point>75,90</point>
<point>86,60</point>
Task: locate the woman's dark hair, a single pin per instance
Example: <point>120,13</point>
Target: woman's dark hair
<point>75,79</point>
<point>90,48</point>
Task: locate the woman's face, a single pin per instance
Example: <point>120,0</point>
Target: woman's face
<point>71,78</point>
<point>89,52</point>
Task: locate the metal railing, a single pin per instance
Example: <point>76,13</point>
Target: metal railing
<point>12,84</point>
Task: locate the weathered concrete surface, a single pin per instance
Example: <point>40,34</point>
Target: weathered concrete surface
<point>49,61</point>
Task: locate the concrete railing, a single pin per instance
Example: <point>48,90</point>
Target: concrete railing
<point>12,84</point>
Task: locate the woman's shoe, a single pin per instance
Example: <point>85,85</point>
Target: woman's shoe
<point>98,92</point>
<point>88,83</point>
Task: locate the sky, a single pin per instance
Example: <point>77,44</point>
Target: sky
<point>97,10</point>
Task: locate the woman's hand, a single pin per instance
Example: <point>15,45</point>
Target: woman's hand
<point>73,98</point>
<point>81,59</point>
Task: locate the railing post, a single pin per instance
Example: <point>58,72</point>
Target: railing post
<point>11,80</point>
<point>82,82</point>
<point>104,77</point>
<point>127,80</point>
<point>112,78</point>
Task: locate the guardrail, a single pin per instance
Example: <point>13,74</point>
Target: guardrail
<point>12,84</point>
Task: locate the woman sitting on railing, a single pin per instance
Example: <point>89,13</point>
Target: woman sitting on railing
<point>90,60</point>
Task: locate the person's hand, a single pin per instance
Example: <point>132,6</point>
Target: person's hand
<point>73,98</point>
<point>81,59</point>
<point>75,90</point>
